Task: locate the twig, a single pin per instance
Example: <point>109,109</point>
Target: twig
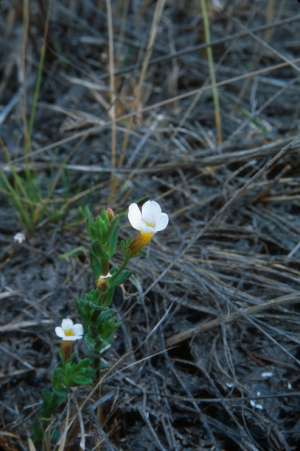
<point>158,105</point>
<point>253,310</point>
<point>11,327</point>
<point>197,48</point>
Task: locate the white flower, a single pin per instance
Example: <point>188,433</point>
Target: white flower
<point>217,5</point>
<point>69,331</point>
<point>150,219</point>
<point>19,238</point>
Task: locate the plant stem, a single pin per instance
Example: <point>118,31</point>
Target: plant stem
<point>218,122</point>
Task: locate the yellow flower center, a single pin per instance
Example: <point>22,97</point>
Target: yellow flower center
<point>150,224</point>
<point>145,238</point>
<point>69,333</point>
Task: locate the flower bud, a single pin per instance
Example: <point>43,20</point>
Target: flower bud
<point>110,213</point>
<point>66,348</point>
<point>138,244</point>
<point>101,282</point>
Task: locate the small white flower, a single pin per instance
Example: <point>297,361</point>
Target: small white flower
<point>69,331</point>
<point>217,5</point>
<point>19,238</point>
<point>150,219</point>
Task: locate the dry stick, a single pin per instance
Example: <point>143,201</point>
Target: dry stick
<point>196,48</point>
<point>219,214</point>
<point>290,298</point>
<point>269,17</point>
<point>257,58</point>
<point>8,294</point>
<point>268,46</point>
<point>192,331</point>
<point>82,443</point>
<point>257,112</point>
<point>206,326</point>
<point>112,91</point>
<point>12,327</point>
<point>195,101</point>
<point>63,438</point>
<point>253,310</point>
<point>186,95</point>
<point>215,219</point>
<point>138,91</point>
<point>220,83</point>
<point>197,162</point>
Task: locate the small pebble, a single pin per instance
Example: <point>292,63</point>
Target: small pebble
<point>266,374</point>
<point>256,405</point>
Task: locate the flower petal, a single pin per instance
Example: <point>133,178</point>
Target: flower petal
<point>78,330</point>
<point>162,222</point>
<point>59,332</point>
<point>151,212</point>
<point>67,324</point>
<point>145,228</point>
<point>70,338</point>
<point>134,216</point>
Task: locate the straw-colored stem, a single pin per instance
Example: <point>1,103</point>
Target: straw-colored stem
<point>154,27</point>
<point>270,12</point>
<point>38,83</point>
<point>27,143</point>
<point>112,90</point>
<point>218,122</point>
<point>139,88</point>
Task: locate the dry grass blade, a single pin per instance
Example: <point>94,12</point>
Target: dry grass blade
<point>204,327</point>
<point>153,32</point>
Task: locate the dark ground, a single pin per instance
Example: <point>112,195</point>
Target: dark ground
<point>228,265</point>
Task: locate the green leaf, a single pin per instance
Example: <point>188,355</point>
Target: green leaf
<point>51,401</point>
<point>80,250</point>
<point>70,374</point>
<point>124,246</point>
<point>120,278</point>
<point>113,237</point>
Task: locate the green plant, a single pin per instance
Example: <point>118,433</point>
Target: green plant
<point>99,323</point>
<point>23,189</point>
<point>24,194</point>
